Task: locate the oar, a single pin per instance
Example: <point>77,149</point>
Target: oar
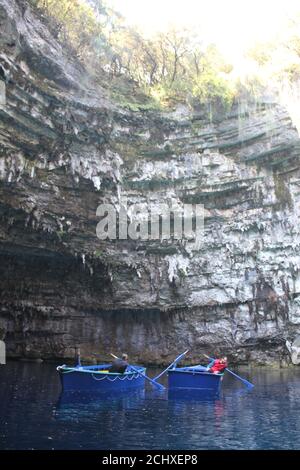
<point>245,382</point>
<point>171,365</point>
<point>156,384</point>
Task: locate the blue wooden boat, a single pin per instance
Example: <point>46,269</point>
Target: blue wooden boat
<point>97,378</point>
<point>194,378</point>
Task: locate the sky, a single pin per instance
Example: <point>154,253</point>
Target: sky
<point>234,25</point>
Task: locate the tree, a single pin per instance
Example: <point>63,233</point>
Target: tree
<point>171,66</point>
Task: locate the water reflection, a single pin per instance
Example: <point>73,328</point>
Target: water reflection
<point>193,395</point>
<point>34,414</point>
<point>78,405</point>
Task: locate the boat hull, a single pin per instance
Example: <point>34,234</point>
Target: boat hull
<point>91,379</point>
<point>194,380</point>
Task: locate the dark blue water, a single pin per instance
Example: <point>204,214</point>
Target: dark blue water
<point>33,415</point>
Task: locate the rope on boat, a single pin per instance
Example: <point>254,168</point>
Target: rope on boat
<point>113,379</point>
<point>105,377</point>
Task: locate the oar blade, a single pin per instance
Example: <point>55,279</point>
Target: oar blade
<point>249,385</point>
<point>158,385</point>
<point>153,382</point>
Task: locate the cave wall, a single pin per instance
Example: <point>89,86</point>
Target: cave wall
<point>65,148</point>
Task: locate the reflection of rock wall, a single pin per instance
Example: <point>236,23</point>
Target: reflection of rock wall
<point>65,148</point>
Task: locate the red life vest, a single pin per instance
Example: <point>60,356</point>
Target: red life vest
<point>218,366</point>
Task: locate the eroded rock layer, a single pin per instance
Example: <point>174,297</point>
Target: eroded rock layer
<point>65,148</point>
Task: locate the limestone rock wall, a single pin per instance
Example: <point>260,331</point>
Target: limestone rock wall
<point>65,148</point>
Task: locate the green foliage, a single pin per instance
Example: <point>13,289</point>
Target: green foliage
<point>261,53</point>
<point>74,22</point>
<point>251,88</point>
<point>168,68</point>
<point>291,72</point>
<point>278,61</point>
<point>210,87</point>
<point>134,101</point>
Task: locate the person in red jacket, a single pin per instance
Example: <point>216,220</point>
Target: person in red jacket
<point>218,365</point>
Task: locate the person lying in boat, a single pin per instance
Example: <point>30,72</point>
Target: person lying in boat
<point>217,366</point>
<point>119,366</point>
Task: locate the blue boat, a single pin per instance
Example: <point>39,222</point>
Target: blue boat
<point>194,378</point>
<point>97,378</point>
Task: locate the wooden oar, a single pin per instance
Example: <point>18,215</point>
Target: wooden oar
<point>245,382</point>
<point>156,384</point>
<point>171,365</point>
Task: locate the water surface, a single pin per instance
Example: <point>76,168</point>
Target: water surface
<point>34,414</point>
